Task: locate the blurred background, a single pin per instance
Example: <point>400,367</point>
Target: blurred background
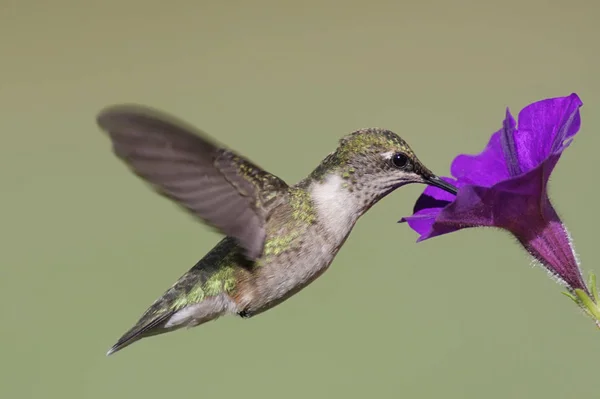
<point>86,246</point>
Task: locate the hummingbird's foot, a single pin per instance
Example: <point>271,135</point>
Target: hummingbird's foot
<point>245,314</point>
<point>591,306</point>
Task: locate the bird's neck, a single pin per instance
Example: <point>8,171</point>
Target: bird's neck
<point>337,206</point>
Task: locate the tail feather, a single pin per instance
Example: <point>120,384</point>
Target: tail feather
<point>160,319</point>
<point>144,328</point>
<point>198,296</point>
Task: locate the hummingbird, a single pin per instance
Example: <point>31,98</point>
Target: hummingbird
<point>278,238</point>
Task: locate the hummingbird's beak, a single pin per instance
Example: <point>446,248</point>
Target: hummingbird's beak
<point>435,181</point>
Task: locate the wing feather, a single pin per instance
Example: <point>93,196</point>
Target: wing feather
<point>214,184</point>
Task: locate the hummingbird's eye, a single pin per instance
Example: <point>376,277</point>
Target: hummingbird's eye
<point>399,160</point>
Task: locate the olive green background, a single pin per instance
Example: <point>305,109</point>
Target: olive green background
<point>86,246</point>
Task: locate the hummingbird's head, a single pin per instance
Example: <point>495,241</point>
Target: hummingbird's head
<point>367,165</point>
<point>374,162</point>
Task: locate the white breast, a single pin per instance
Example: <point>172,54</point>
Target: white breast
<point>336,207</point>
<point>337,212</point>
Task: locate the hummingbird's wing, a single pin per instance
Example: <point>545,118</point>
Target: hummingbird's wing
<point>216,185</point>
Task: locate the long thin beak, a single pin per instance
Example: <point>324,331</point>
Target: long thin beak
<point>439,183</point>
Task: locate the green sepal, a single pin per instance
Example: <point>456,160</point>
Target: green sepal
<point>592,286</point>
<point>583,300</point>
<point>570,295</point>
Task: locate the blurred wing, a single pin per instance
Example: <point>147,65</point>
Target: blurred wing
<point>217,186</point>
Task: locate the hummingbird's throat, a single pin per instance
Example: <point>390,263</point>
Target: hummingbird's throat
<point>337,207</point>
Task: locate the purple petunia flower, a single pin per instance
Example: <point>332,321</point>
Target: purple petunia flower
<point>505,186</point>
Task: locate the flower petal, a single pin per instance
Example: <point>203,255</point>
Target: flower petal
<point>512,204</point>
<point>427,207</point>
<point>552,247</point>
<point>422,221</point>
<point>434,197</point>
<point>507,139</point>
<point>546,127</point>
<point>505,186</point>
<point>484,169</point>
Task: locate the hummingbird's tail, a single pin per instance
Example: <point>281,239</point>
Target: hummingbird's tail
<point>200,295</point>
<point>140,331</point>
<point>160,319</point>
